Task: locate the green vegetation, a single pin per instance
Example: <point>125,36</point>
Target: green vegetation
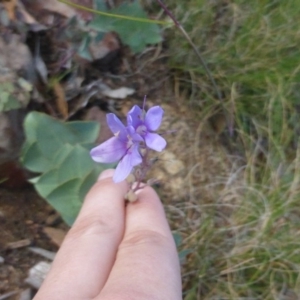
<point>252,48</point>
<point>59,152</point>
<point>135,34</point>
<point>247,245</point>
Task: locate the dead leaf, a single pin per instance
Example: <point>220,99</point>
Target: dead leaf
<point>45,253</point>
<point>109,43</point>
<point>10,6</point>
<point>56,235</point>
<point>26,17</point>
<point>18,244</point>
<point>85,15</point>
<point>61,102</point>
<point>120,93</point>
<point>57,7</point>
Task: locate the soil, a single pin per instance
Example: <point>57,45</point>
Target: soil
<point>23,215</point>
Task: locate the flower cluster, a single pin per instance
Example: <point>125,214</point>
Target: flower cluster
<point>130,144</point>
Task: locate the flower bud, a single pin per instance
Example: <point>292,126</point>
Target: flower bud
<point>131,196</point>
<point>130,178</point>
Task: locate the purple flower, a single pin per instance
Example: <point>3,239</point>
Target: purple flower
<point>123,146</point>
<point>145,123</point>
<point>126,143</point>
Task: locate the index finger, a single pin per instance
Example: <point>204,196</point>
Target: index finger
<point>87,254</point>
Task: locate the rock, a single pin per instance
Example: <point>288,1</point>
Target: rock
<point>172,165</point>
<point>1,260</point>
<point>176,185</point>
<point>37,274</point>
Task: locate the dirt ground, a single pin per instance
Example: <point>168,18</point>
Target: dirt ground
<point>23,216</point>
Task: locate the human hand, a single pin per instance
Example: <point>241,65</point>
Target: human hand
<point>114,252</point>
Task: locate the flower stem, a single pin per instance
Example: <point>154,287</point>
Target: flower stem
<point>143,170</point>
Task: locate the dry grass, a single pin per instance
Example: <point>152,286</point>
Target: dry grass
<point>237,211</point>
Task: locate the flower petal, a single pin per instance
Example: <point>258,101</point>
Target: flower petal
<point>108,152</point>
<point>135,136</point>
<point>135,116</point>
<point>123,170</point>
<point>116,126</point>
<point>154,117</point>
<point>125,166</point>
<point>135,156</point>
<point>155,141</point>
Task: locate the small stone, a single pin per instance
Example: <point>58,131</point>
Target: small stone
<point>37,274</point>
<point>1,260</point>
<point>176,185</point>
<point>172,165</point>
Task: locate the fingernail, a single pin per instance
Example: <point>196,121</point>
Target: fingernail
<point>106,174</point>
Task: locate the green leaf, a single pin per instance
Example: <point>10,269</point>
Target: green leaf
<point>7,100</point>
<point>86,132</point>
<point>83,49</point>
<point>65,187</point>
<point>66,201</point>
<point>133,33</point>
<point>60,152</point>
<point>45,136</point>
<point>33,159</point>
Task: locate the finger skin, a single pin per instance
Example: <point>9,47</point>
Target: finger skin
<point>147,264</point>
<point>83,263</point>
